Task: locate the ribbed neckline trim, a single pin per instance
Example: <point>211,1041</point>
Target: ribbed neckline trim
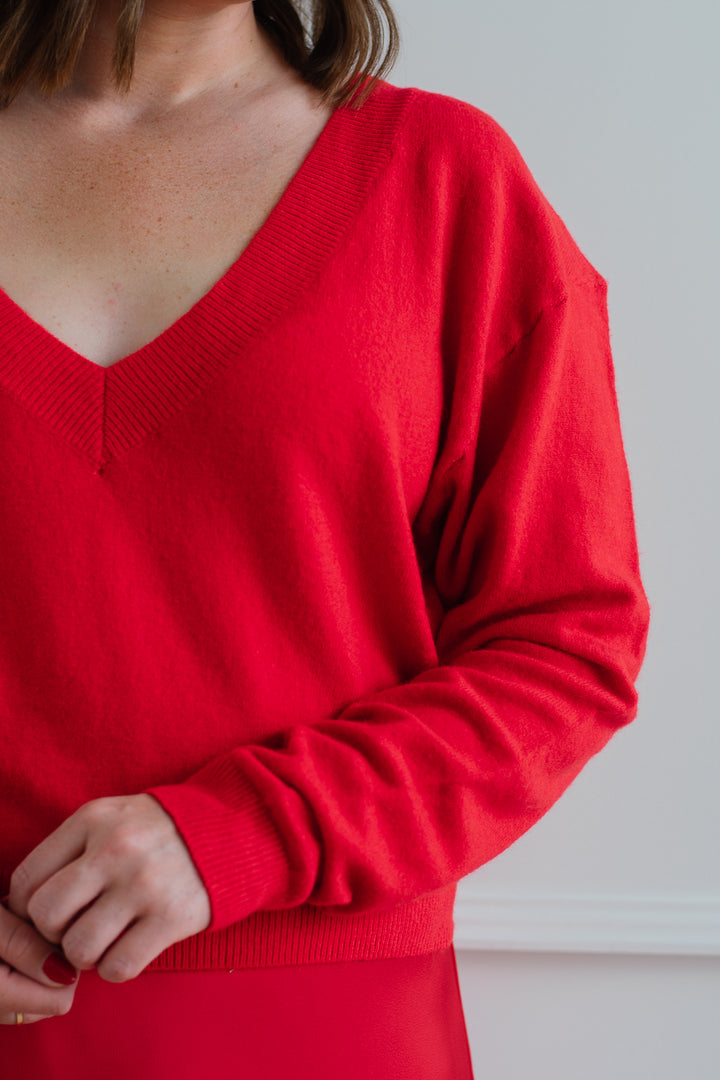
<point>105,411</point>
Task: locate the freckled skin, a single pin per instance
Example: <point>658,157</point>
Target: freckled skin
<point>117,214</point>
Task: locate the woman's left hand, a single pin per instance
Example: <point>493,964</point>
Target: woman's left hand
<point>114,885</point>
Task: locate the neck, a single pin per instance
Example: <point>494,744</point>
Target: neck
<point>185,49</point>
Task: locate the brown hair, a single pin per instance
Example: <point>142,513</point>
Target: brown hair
<point>342,46</point>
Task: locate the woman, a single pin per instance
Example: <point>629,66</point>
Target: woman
<point>320,574</point>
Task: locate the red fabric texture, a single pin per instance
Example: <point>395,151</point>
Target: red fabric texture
<point>397,1019</point>
<point>341,567</point>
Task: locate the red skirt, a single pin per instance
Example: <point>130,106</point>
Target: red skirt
<point>396,1019</point>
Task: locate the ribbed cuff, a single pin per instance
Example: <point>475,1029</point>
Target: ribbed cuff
<point>236,849</point>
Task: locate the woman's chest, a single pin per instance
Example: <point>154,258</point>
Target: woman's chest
<point>106,244</point>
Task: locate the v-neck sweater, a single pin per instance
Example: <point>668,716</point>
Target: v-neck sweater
<point>341,567</point>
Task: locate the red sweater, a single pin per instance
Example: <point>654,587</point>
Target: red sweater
<point>342,566</point>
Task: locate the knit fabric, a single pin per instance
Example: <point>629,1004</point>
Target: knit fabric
<point>341,567</point>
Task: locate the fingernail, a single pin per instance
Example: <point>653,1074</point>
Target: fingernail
<point>58,970</point>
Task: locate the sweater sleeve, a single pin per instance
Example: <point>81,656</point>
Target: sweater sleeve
<point>528,539</point>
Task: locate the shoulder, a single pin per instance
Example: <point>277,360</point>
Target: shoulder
<point>471,170</point>
<point>448,127</point>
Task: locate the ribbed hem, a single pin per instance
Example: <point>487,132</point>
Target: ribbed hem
<point>309,935</point>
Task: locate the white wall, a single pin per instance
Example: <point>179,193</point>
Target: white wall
<point>591,947</point>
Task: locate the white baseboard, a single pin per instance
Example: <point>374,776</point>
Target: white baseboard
<point>595,924</point>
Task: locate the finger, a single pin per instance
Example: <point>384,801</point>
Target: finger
<point>51,854</point>
<point>140,944</point>
<point>27,1018</point>
<point>91,935</point>
<point>25,950</point>
<point>63,897</point>
<point>18,993</point>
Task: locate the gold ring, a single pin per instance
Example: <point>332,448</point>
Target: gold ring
<point>18,1018</point>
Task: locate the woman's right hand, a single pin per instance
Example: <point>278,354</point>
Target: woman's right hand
<point>24,986</point>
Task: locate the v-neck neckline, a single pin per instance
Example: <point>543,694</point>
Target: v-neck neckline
<point>103,411</point>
